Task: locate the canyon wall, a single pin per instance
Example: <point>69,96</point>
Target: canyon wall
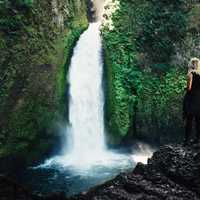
<point>36,43</point>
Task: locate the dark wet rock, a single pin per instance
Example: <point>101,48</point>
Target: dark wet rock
<point>179,164</point>
<point>56,196</point>
<point>173,173</point>
<point>10,190</point>
<point>11,163</point>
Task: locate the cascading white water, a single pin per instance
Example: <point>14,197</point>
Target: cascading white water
<point>85,145</point>
<point>85,132</point>
<point>86,95</point>
<point>86,161</point>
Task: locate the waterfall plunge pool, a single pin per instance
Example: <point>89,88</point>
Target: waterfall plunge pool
<point>64,174</point>
<point>60,174</point>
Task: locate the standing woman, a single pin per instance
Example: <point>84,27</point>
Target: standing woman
<point>191,106</point>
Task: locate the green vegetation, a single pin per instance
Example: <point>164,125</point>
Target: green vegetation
<point>163,25</point>
<point>16,9</point>
<point>145,57</point>
<point>145,75</point>
<point>36,42</point>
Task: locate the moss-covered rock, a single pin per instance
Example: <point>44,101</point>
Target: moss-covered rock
<point>36,43</point>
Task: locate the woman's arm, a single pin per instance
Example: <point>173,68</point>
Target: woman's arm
<point>189,82</point>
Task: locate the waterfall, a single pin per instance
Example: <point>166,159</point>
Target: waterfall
<point>86,123</point>
<point>85,145</point>
<point>85,161</point>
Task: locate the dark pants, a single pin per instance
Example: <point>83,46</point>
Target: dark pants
<point>188,126</point>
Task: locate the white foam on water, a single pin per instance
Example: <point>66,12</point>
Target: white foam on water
<point>142,153</point>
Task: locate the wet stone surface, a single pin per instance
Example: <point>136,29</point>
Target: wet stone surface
<point>172,173</point>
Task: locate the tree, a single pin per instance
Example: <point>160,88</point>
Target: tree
<point>163,26</point>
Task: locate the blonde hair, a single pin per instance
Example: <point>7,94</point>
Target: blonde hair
<point>194,66</point>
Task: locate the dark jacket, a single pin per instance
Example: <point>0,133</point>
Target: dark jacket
<point>191,102</point>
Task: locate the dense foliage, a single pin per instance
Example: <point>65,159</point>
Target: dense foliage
<point>163,25</point>
<point>145,89</point>
<point>36,42</point>
<point>16,9</point>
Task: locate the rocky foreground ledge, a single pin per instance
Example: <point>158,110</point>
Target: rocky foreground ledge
<point>173,173</point>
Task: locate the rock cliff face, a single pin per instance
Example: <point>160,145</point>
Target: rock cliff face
<point>173,173</point>
<point>36,42</point>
